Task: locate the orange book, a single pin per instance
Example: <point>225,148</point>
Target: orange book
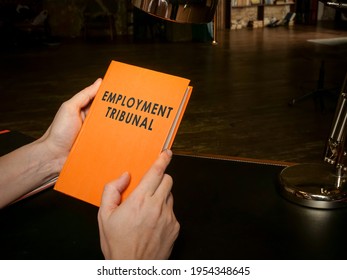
<point>134,116</point>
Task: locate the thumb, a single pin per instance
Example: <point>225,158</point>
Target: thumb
<point>111,196</point>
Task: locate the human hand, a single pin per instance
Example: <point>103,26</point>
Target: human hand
<point>31,165</point>
<point>144,226</point>
<point>64,129</point>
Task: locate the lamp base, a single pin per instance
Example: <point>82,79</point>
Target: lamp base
<point>314,185</point>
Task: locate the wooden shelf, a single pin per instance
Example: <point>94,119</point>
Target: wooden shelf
<point>259,12</point>
<point>263,5</point>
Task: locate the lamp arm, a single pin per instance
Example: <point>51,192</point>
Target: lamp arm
<point>335,146</point>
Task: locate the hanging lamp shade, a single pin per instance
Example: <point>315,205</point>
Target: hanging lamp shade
<point>181,11</point>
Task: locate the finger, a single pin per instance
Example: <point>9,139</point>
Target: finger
<point>110,200</point>
<point>111,196</point>
<point>164,189</point>
<point>86,95</point>
<point>152,179</point>
<point>170,200</point>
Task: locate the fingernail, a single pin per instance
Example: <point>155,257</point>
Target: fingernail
<point>124,175</point>
<point>168,152</point>
<point>97,80</point>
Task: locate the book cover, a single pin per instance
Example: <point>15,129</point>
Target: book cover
<point>134,116</point>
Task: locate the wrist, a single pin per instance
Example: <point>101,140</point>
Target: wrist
<point>49,160</point>
<point>25,169</point>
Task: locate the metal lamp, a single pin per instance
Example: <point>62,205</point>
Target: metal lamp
<point>322,185</point>
<point>181,11</point>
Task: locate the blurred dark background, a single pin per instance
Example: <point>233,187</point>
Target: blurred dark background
<point>243,86</point>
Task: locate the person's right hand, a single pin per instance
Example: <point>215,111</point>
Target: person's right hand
<point>144,226</point>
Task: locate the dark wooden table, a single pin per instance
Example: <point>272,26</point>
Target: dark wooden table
<point>228,209</point>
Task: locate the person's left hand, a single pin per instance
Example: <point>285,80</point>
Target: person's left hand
<point>64,129</point>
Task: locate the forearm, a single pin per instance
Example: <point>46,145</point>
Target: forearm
<point>25,169</point>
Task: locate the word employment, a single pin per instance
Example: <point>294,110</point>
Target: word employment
<point>143,107</point>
